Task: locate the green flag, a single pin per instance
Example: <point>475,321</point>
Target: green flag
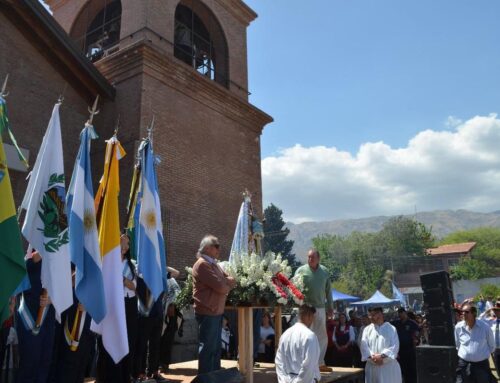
<point>12,267</point>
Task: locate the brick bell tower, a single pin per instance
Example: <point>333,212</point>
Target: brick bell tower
<point>185,62</point>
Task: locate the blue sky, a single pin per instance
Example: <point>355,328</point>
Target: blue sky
<point>344,72</point>
<point>380,107</point>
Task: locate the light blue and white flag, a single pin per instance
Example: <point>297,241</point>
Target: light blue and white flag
<point>45,224</point>
<point>83,239</point>
<point>396,294</point>
<point>239,246</point>
<point>150,244</point>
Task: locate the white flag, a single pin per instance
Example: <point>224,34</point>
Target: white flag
<point>45,225</point>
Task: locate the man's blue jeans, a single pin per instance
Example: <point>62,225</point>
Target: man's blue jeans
<point>209,350</point>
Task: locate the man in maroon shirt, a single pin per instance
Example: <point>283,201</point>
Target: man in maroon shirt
<point>211,286</point>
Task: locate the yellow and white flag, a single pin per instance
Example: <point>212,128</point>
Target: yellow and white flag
<point>113,328</point>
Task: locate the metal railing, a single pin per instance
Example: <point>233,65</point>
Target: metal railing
<point>98,41</point>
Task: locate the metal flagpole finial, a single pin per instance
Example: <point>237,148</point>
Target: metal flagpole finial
<point>117,126</point>
<point>151,127</point>
<point>4,92</point>
<point>61,96</point>
<point>93,111</point>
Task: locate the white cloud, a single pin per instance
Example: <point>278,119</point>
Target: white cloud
<point>455,169</point>
<point>452,122</point>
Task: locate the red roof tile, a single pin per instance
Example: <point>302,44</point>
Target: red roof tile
<point>452,249</point>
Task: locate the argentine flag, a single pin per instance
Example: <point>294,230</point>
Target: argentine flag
<point>150,244</point>
<point>83,239</point>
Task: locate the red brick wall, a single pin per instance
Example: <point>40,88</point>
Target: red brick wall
<point>208,137</point>
<point>153,18</point>
<point>34,86</point>
<point>207,161</point>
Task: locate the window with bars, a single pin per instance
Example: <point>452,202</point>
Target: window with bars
<point>97,29</point>
<point>199,41</point>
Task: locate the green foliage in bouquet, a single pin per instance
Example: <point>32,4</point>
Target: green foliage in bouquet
<point>185,297</point>
<point>261,281</point>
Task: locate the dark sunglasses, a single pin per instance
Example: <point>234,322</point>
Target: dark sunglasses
<point>466,311</point>
<point>216,245</point>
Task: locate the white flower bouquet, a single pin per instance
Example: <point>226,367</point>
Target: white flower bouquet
<point>261,281</point>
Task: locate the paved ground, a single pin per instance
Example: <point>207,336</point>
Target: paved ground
<point>265,373</point>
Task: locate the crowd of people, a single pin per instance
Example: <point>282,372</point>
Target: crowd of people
<point>37,348</point>
<point>385,349</point>
<point>315,337</point>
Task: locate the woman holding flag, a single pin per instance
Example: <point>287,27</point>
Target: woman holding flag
<point>36,327</point>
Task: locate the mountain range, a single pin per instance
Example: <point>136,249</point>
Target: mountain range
<point>442,222</point>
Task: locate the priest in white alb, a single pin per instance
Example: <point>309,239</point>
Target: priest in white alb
<point>298,351</point>
<point>379,348</point>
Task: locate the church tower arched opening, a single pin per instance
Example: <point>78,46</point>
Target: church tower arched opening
<point>97,28</point>
<point>199,41</point>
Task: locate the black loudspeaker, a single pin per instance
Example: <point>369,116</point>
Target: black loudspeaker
<point>438,304</point>
<point>230,375</point>
<point>436,364</point>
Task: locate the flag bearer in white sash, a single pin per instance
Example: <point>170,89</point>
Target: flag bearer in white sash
<point>75,345</point>
<point>35,327</point>
<point>379,348</point>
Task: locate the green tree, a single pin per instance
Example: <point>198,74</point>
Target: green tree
<point>485,257</point>
<point>469,268</point>
<point>363,275</point>
<point>334,253</point>
<point>360,263</point>
<point>489,290</point>
<point>403,242</point>
<point>275,234</point>
<point>353,263</point>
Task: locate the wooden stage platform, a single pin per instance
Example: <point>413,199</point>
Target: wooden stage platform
<point>265,373</point>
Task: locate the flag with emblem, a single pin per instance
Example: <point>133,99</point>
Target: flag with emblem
<point>149,233</point>
<point>12,268</point>
<point>45,224</point>
<point>113,327</point>
<point>83,240</point>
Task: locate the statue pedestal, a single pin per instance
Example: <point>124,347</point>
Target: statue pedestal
<point>245,337</point>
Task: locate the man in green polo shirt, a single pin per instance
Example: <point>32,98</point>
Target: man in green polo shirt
<point>318,294</point>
